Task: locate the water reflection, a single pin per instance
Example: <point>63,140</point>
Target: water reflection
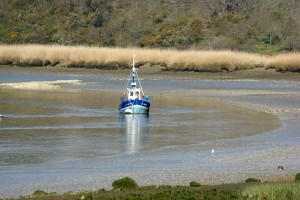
<point>135,131</point>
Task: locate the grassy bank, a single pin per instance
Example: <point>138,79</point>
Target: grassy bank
<point>115,58</point>
<point>128,189</point>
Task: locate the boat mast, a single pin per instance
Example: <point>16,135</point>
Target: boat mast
<point>133,72</point>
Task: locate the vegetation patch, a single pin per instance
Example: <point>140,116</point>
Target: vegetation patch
<point>297,177</point>
<point>124,183</point>
<point>39,193</point>
<point>252,180</point>
<point>273,191</point>
<point>285,191</point>
<point>194,184</point>
<point>161,24</point>
<point>172,60</point>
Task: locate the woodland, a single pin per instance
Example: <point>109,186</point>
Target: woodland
<point>258,26</point>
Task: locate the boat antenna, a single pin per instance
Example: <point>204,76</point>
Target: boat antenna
<point>136,74</point>
<point>131,75</point>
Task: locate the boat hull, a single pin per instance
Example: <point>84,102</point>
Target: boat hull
<point>134,107</point>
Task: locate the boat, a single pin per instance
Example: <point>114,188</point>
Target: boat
<point>134,101</point>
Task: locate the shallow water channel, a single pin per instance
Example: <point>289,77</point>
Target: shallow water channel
<point>81,119</point>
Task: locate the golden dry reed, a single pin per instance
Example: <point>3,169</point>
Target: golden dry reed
<point>189,60</point>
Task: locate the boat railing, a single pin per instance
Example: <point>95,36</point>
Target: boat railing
<point>123,98</point>
<point>147,98</point>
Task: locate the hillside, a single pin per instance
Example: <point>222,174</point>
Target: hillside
<point>262,26</point>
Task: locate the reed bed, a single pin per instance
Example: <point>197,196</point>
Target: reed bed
<point>285,62</point>
<point>114,58</point>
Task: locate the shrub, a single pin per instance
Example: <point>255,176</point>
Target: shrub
<point>125,183</point>
<point>251,180</point>
<point>99,21</point>
<point>52,193</point>
<point>89,196</point>
<point>194,184</point>
<point>280,168</point>
<point>158,20</point>
<point>297,177</point>
<point>88,3</point>
<point>40,193</point>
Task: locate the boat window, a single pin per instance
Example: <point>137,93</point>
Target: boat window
<point>131,93</point>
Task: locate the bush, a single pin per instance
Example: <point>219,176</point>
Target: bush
<point>251,180</point>
<point>194,184</point>
<point>297,177</point>
<point>99,21</point>
<point>280,168</point>
<point>89,196</point>
<point>158,20</point>
<point>125,183</point>
<point>40,193</point>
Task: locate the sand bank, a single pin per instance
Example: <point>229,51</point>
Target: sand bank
<point>41,85</point>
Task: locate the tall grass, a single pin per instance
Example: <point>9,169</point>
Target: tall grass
<point>285,62</point>
<point>112,58</point>
<point>273,191</point>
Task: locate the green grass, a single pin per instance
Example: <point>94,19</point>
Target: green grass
<point>280,191</point>
<point>243,191</point>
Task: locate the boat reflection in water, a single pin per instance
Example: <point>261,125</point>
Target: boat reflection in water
<point>135,132</point>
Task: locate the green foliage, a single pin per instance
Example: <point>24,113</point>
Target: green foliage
<point>284,191</point>
<point>252,180</point>
<point>52,194</point>
<point>125,183</point>
<point>111,42</point>
<point>267,49</point>
<point>266,40</point>
<point>234,18</point>
<point>89,196</point>
<point>280,168</point>
<point>2,31</point>
<point>88,3</point>
<point>196,30</point>
<point>158,20</point>
<point>40,193</point>
<point>99,21</point>
<point>194,184</point>
<point>180,25</point>
<point>21,3</point>
<point>280,12</point>
<point>297,177</point>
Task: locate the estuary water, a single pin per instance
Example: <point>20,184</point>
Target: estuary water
<point>63,132</point>
<point>53,118</point>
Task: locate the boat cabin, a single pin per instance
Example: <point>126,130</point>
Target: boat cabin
<point>133,93</point>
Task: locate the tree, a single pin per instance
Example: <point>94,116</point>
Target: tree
<point>99,21</point>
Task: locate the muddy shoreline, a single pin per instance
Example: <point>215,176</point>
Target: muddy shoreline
<point>151,72</point>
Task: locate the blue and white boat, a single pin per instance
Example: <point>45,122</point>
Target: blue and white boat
<point>134,101</point>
